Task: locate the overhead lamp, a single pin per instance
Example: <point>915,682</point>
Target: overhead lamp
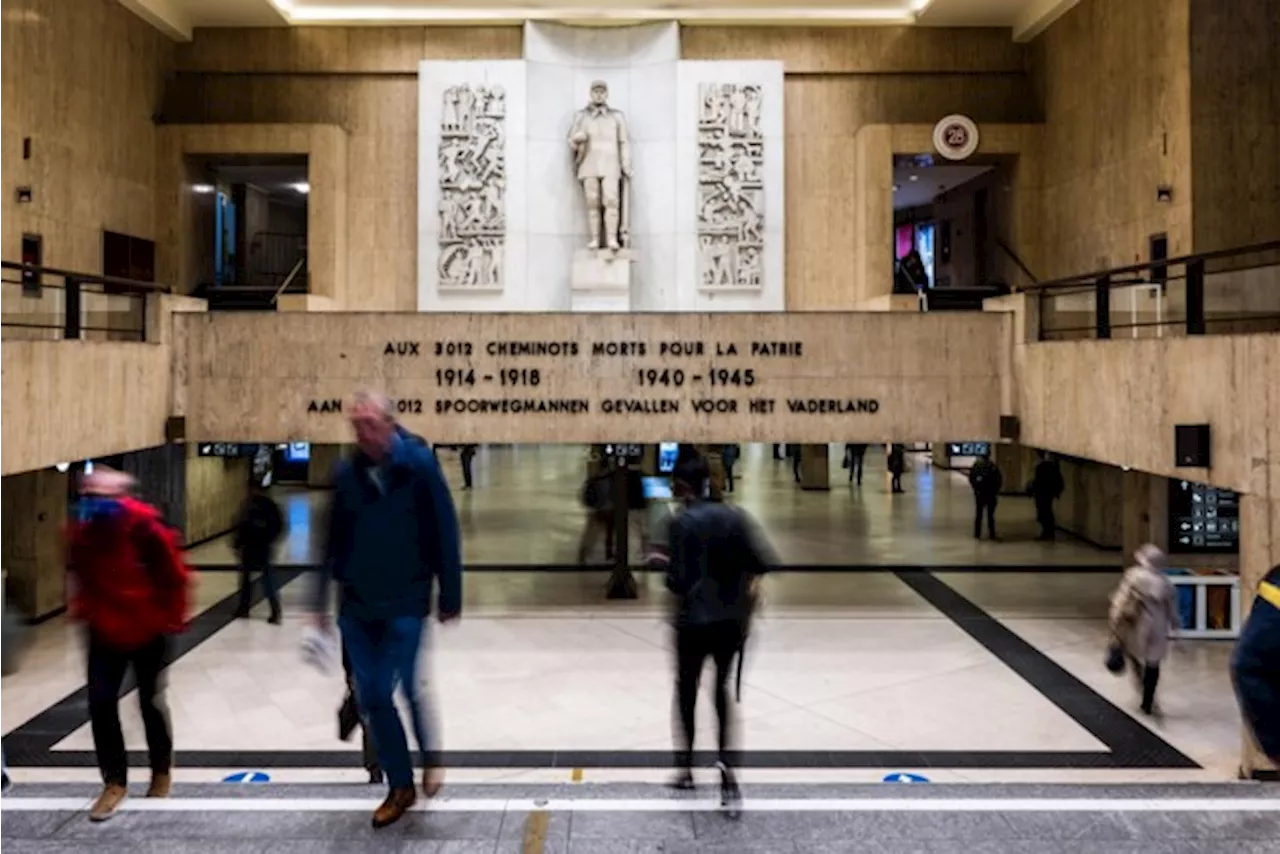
<point>62,467</point>
<point>301,187</point>
<point>913,177</point>
<point>896,188</point>
<point>202,189</point>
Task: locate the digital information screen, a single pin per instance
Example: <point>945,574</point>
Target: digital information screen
<point>233,450</point>
<point>667,454</point>
<point>1203,519</point>
<point>968,449</point>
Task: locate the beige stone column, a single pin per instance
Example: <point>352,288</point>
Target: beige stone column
<point>34,509</point>
<point>1145,510</point>
<point>815,471</point>
<point>320,466</point>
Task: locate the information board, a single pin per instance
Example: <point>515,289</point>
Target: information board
<point>1203,519</point>
<point>598,377</point>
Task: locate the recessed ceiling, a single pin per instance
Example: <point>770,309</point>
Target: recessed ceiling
<point>179,18</point>
<point>929,182</point>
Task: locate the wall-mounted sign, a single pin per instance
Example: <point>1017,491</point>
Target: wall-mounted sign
<point>956,137</point>
<point>968,449</point>
<point>1203,519</point>
<point>232,450</point>
<point>598,378</point>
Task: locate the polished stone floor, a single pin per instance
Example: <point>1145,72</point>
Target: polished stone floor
<point>550,696</point>
<point>991,677</point>
<point>524,510</point>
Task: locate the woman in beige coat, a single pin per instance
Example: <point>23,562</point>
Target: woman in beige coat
<point>1144,611</point>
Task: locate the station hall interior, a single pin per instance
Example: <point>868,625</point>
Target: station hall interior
<point>842,252</point>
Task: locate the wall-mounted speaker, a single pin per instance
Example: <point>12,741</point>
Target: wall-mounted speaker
<point>1010,427</point>
<point>175,429</point>
<point>1191,446</point>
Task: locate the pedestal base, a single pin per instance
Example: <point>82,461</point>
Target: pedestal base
<point>601,280</point>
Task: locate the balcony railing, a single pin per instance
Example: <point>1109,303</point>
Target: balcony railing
<point>1234,291</point>
<point>44,303</point>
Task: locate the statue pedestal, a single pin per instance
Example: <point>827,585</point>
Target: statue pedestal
<point>601,280</point>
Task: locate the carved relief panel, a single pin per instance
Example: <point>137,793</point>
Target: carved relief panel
<point>473,184</point>
<point>730,187</point>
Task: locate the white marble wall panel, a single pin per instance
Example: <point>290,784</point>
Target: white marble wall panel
<point>434,78</point>
<point>690,295</point>
<point>639,66</point>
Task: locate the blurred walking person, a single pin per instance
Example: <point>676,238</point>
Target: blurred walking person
<point>897,464</point>
<point>854,455</point>
<point>1255,667</point>
<point>598,500</point>
<point>258,528</point>
<point>1046,487</point>
<point>1144,610</point>
<point>713,559</point>
<point>129,587</point>
<point>393,537</point>
<point>729,458</point>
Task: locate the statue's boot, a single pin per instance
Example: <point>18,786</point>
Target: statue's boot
<point>593,220</point>
<point>611,228</point>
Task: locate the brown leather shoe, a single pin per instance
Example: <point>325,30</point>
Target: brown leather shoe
<point>161,785</point>
<point>432,781</point>
<point>397,804</point>
<point>105,806</point>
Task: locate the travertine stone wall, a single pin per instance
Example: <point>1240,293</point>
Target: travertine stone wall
<point>73,400</point>
<point>1115,87</point>
<point>82,80</point>
<point>873,377</point>
<point>364,79</point>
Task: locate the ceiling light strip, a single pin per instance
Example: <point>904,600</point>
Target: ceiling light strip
<point>299,14</point>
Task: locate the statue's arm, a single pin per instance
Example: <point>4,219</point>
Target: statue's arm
<point>624,144</point>
<point>576,133</point>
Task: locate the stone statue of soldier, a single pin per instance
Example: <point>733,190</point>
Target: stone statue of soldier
<point>602,156</point>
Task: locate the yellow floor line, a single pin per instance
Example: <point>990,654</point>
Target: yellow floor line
<point>535,832</point>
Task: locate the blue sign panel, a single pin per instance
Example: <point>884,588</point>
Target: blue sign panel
<point>247,777</point>
<point>903,777</point>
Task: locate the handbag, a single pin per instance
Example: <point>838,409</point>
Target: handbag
<point>1115,658</point>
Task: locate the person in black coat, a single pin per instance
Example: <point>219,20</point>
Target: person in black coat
<point>986,480</point>
<point>1047,486</point>
<point>713,559</point>
<point>897,463</point>
<point>1255,667</point>
<point>853,458</point>
<point>257,530</point>
<point>466,454</point>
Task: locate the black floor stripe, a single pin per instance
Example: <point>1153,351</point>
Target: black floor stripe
<point>1131,743</point>
<point>649,759</point>
<point>1082,569</point>
<point>39,735</point>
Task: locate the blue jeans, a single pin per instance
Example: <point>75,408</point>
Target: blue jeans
<point>384,654</point>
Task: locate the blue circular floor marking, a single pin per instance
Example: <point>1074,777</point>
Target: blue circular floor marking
<point>903,777</point>
<point>247,777</point>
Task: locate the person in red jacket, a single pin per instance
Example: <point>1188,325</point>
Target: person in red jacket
<point>129,587</point>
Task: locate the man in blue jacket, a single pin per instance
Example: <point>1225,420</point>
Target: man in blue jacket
<point>393,533</point>
<point>1255,666</point>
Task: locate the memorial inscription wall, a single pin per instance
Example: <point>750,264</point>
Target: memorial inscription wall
<point>598,377</point>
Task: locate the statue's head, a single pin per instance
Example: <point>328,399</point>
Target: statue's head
<point>599,93</point>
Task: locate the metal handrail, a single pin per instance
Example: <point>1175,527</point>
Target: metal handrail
<point>88,278</point>
<point>1145,266</point>
<point>289,279</point>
